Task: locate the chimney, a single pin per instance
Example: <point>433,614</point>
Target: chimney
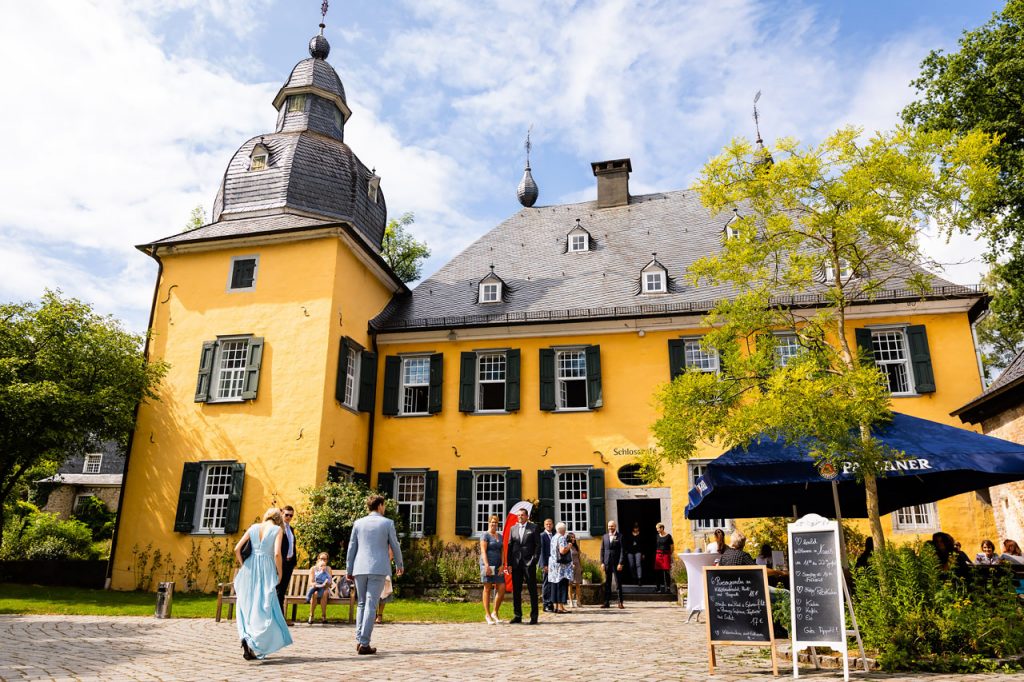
<point>612,182</point>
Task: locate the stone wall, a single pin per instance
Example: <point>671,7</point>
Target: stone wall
<point>1008,500</point>
<point>62,499</point>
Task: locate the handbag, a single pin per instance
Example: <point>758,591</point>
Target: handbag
<point>246,550</point>
<point>564,558</point>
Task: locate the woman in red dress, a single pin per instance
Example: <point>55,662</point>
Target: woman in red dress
<point>663,546</point>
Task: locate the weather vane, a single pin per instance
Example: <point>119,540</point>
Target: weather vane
<point>528,145</point>
<point>757,128</point>
<point>323,16</point>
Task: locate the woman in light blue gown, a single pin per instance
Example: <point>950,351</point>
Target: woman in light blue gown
<point>261,624</point>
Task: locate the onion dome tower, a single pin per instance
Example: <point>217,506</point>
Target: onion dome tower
<point>304,168</point>
<point>527,192</point>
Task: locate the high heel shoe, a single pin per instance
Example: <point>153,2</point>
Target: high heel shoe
<point>247,653</point>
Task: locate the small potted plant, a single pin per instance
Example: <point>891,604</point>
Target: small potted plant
<point>679,578</point>
<point>588,577</point>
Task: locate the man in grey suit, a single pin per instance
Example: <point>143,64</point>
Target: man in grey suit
<point>368,563</point>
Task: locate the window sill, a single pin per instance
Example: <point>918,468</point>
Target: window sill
<point>489,412</point>
<point>413,415</point>
<point>905,395</point>
<point>916,531</point>
<point>241,290</point>
<point>572,409</point>
<point>348,408</point>
<point>208,533</point>
<point>225,401</point>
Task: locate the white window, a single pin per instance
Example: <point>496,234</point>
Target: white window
<point>352,377</point>
<point>92,464</point>
<point>488,499</point>
<point>243,273</point>
<point>578,242</point>
<point>258,161</point>
<point>696,357</point>
<point>415,385</point>
<point>80,502</point>
<point>572,500</point>
<point>410,493</point>
<point>215,491</point>
<point>490,382</point>
<point>891,356</point>
<point>297,103</point>
<point>373,186</point>
<point>787,347</point>
<point>571,379</point>
<point>919,517</point>
<point>229,369</point>
<point>654,282</point>
<point>845,271</point>
<point>731,232</point>
<point>703,527</point>
<point>490,292</point>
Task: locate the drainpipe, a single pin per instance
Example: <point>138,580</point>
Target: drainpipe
<point>131,436</point>
<point>373,413</point>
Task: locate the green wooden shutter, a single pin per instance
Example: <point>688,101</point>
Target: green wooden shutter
<point>235,498</point>
<point>363,479</point>
<point>596,499</point>
<point>339,380</point>
<point>921,359</point>
<point>185,516</point>
<point>512,380</point>
<point>464,503</point>
<point>676,357</point>
<point>386,483</point>
<point>430,504</point>
<point>392,376</point>
<point>513,489</point>
<point>205,371</point>
<point>595,398</point>
<point>867,348</point>
<point>467,383</point>
<point>436,383</point>
<point>546,494</point>
<point>253,360</point>
<point>547,379</point>
<point>367,380</point>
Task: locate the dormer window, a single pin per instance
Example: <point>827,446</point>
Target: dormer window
<point>578,239</point>
<point>654,278</point>
<point>260,158</point>
<point>490,292</point>
<point>373,187</point>
<point>492,289</point>
<point>296,103</point>
<point>732,228</point>
<point>845,271</point>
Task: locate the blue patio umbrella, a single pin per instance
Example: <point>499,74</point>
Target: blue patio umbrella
<point>769,478</point>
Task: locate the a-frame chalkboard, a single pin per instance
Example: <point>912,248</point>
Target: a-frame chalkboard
<point>738,609</point>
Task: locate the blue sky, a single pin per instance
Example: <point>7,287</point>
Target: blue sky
<point>125,115</point>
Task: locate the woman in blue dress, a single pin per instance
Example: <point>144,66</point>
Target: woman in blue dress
<point>261,624</point>
<point>560,567</point>
<point>491,576</point>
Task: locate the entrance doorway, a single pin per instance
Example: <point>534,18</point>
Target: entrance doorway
<point>646,514</point>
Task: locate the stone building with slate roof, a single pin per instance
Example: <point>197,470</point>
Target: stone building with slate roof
<point>522,369</point>
<point>999,410</point>
<point>96,473</point>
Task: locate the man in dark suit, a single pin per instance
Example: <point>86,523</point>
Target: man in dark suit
<point>523,549</point>
<point>612,555</point>
<point>288,554</point>
<point>545,553</point>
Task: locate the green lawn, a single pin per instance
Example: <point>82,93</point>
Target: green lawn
<point>36,599</point>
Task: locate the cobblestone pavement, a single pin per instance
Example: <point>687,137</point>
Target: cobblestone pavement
<point>643,642</point>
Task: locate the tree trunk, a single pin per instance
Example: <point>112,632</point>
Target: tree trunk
<point>874,518</point>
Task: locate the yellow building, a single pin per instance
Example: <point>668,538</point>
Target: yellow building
<point>524,368</point>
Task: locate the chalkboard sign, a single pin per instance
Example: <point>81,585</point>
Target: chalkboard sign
<point>817,595</point>
<point>737,608</point>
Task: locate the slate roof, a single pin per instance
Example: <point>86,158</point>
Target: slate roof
<point>545,283</point>
<point>241,227</point>
<point>112,462</point>
<point>1000,394</point>
<point>85,479</point>
<point>317,73</point>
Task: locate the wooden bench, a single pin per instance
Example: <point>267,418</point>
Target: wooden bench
<point>297,588</point>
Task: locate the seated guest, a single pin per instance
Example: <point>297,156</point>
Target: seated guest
<point>764,556</point>
<point>734,554</point>
<point>987,555</point>
<point>950,558</point>
<point>718,545</point>
<point>1011,552</point>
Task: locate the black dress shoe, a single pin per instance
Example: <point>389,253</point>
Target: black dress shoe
<point>247,653</point>
<point>367,650</point>
<point>533,621</point>
<point>517,619</point>
<point>605,606</point>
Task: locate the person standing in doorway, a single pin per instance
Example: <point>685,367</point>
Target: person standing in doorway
<point>612,556</point>
<point>545,552</point>
<point>368,564</point>
<point>634,554</point>
<point>664,546</point>
<point>523,552</point>
<point>287,552</point>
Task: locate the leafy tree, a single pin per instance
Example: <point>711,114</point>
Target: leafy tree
<point>197,218</point>
<point>94,513</point>
<point>979,87</point>
<point>324,524</point>
<point>68,377</point>
<point>401,250</point>
<point>998,334</point>
<point>838,220</point>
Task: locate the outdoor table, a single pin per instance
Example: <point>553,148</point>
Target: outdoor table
<point>695,563</point>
